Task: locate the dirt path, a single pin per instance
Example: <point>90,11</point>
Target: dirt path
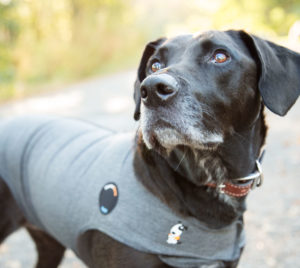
<point>273,216</point>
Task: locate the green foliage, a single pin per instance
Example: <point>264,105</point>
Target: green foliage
<point>271,17</point>
<point>44,41</point>
<point>8,34</point>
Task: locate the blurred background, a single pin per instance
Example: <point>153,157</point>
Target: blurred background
<point>46,44</point>
<point>79,58</point>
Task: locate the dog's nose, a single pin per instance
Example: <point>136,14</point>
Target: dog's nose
<point>158,88</point>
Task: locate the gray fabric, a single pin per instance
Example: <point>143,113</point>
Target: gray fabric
<point>56,168</point>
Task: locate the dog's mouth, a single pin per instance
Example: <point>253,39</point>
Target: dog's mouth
<point>165,138</point>
<point>164,129</point>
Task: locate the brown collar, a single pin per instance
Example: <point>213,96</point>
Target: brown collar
<point>243,185</point>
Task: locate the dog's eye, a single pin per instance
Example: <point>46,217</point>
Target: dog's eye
<point>155,66</point>
<point>220,57</point>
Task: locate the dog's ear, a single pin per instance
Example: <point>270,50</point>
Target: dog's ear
<point>278,72</point>
<point>141,74</point>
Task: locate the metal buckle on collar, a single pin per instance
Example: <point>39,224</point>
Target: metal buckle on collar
<point>258,181</point>
<point>257,176</point>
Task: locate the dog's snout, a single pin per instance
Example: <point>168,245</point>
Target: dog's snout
<point>158,88</point>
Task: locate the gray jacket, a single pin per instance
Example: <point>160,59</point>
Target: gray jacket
<point>69,176</point>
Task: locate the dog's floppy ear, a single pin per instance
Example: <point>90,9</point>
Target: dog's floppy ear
<point>279,73</point>
<point>141,74</point>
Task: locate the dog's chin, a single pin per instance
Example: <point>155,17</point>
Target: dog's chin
<point>164,140</point>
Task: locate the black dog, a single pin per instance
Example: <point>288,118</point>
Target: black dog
<point>200,100</point>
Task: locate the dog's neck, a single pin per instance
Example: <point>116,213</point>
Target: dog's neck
<point>180,178</point>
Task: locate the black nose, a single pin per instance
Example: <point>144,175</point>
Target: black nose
<point>158,88</point>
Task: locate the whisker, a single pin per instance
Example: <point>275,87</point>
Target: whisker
<point>181,160</point>
<point>242,138</point>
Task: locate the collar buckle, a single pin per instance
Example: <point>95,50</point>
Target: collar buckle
<point>258,181</point>
<point>256,176</point>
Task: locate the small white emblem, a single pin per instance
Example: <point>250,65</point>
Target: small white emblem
<point>175,233</point>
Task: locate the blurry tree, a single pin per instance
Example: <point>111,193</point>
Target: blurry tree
<point>70,38</point>
<point>270,17</point>
<point>48,41</point>
<point>8,34</point>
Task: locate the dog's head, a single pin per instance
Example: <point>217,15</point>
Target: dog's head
<point>195,90</point>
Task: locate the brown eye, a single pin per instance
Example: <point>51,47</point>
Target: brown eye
<point>155,66</point>
<point>220,57</point>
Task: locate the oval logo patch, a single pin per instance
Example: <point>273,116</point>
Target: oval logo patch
<point>108,198</point>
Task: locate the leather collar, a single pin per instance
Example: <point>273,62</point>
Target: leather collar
<point>244,185</point>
